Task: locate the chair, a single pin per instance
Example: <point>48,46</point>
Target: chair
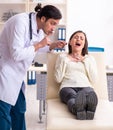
<point>58,116</point>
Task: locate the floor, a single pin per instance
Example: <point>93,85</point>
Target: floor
<point>32,113</point>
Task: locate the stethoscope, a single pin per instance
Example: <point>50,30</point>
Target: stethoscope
<point>30,32</point>
<point>30,26</point>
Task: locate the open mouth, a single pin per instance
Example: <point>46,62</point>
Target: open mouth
<point>77,44</point>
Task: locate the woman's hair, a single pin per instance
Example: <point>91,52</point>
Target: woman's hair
<point>85,49</point>
<point>48,11</point>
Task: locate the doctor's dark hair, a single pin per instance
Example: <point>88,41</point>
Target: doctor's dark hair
<point>48,11</point>
<point>85,49</point>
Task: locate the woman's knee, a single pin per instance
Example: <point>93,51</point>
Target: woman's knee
<point>92,99</point>
<point>67,93</point>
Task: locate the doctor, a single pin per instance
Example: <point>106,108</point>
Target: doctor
<point>22,37</point>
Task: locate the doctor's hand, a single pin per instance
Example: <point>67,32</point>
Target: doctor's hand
<point>44,42</point>
<point>57,44</point>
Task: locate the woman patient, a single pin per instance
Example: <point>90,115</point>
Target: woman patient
<point>76,72</point>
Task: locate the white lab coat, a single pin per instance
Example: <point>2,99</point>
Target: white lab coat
<point>16,54</point>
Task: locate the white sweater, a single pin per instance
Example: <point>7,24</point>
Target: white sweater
<point>75,74</point>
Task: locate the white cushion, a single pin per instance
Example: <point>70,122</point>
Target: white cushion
<point>59,118</point>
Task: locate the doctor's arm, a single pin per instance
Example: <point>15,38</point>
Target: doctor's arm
<point>47,42</point>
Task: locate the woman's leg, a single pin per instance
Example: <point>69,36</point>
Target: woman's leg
<point>92,102</point>
<point>75,101</point>
<point>68,96</point>
<point>5,119</point>
<point>80,105</point>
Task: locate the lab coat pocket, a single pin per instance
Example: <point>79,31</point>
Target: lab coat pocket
<point>3,56</point>
<point>2,61</point>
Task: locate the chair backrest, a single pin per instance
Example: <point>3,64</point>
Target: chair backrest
<point>100,87</point>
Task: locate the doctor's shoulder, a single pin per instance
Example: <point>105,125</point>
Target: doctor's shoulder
<point>18,18</point>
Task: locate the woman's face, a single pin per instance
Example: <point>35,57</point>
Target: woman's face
<point>77,42</point>
<point>49,26</point>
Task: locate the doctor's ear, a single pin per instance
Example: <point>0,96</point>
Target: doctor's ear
<point>43,19</point>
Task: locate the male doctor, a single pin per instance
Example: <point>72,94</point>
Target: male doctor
<point>22,36</point>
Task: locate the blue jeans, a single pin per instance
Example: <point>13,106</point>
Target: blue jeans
<point>13,116</point>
